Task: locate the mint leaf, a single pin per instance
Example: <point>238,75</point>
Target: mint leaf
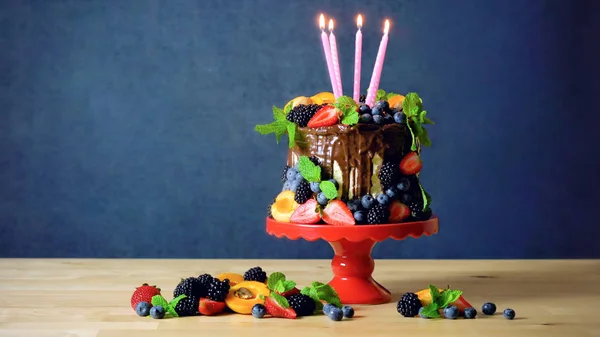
<point>273,127</point>
<point>426,197</point>
<point>159,300</point>
<point>427,120</point>
<point>309,170</point>
<point>279,287</point>
<point>176,300</point>
<point>282,301</point>
<point>412,101</point>
<point>431,311</point>
<point>424,137</point>
<point>291,130</point>
<point>288,285</point>
<point>328,294</point>
<point>345,101</point>
<point>413,145</point>
<point>350,118</point>
<point>435,293</point>
<point>380,95</point>
<point>447,297</point>
<point>328,188</point>
<point>287,108</point>
<point>278,114</point>
<point>274,278</point>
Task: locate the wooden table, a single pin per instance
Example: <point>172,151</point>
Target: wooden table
<point>46,297</point>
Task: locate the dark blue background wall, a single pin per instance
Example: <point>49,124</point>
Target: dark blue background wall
<point>127,126</point>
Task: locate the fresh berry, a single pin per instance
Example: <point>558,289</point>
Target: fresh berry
<point>314,160</point>
<point>335,183</point>
<point>336,213</point>
<point>205,280</point>
<point>306,213</point>
<point>255,274</point>
<point>291,174</point>
<point>364,109</point>
<point>157,312</point>
<point>143,309</point>
<point>348,311</point>
<point>336,314</point>
<point>191,287</point>
<point>210,307</point>
<point>187,306</point>
<point>303,113</point>
<point>383,199</point>
<point>406,198</point>
<point>143,293</point>
<point>388,119</point>
<point>259,310</point>
<point>392,192</point>
<point>451,312</point>
<point>470,313</point>
<point>509,313</point>
<point>409,305</point>
<point>417,212</point>
<point>303,305</point>
<point>314,186</point>
<point>378,214</point>
<point>276,310</point>
<point>326,116</point>
<point>366,118</point>
<point>303,192</point>
<point>388,175</point>
<point>284,173</point>
<point>287,186</point>
<point>360,216</point>
<point>399,117</point>
<point>376,111</point>
<point>327,308</point>
<point>403,185</point>
<point>322,199</point>
<point>294,185</point>
<point>362,98</point>
<point>488,308</point>
<point>218,290</point>
<point>398,212</point>
<point>382,105</point>
<point>367,202</point>
<point>421,313</point>
<point>378,119</point>
<point>354,205</point>
<point>411,164</point>
<point>294,291</point>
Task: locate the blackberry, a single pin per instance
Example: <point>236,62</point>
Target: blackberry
<point>187,306</point>
<point>190,287</point>
<point>315,160</point>
<point>409,305</point>
<point>303,305</point>
<point>217,290</point>
<point>205,279</point>
<point>388,175</point>
<point>417,212</point>
<point>362,99</point>
<point>378,214</point>
<point>255,274</point>
<point>284,173</point>
<point>269,214</point>
<point>303,113</point>
<point>290,116</point>
<point>303,192</point>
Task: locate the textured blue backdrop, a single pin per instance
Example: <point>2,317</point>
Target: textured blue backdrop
<point>127,126</point>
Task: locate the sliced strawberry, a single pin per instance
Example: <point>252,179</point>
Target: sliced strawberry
<point>209,307</point>
<point>336,213</point>
<point>461,304</point>
<point>294,291</point>
<point>326,116</point>
<point>276,310</point>
<point>398,212</point>
<point>306,213</point>
<point>411,164</point>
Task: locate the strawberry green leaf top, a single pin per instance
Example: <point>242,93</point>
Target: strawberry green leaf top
<point>279,126</point>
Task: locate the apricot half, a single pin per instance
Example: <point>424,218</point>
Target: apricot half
<point>232,277</point>
<point>323,98</point>
<point>284,206</point>
<point>396,101</point>
<point>244,295</point>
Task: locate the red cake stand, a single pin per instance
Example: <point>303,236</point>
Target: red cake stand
<point>353,264</point>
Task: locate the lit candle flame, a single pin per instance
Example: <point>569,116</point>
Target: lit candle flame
<point>322,21</point>
<point>359,21</point>
<point>330,24</point>
<point>386,29</point>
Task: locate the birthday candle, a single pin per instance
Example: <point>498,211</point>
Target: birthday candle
<point>335,61</point>
<point>357,59</point>
<point>376,76</point>
<point>325,41</point>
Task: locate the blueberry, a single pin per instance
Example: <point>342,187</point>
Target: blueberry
<point>327,308</point>
<point>488,308</point>
<point>348,311</point>
<point>367,201</point>
<point>364,109</point>
<point>421,314</point>
<point>404,185</point>
<point>451,312</point>
<point>376,111</point>
<point>287,186</point>
<point>294,185</point>
<point>291,174</point>
<point>322,199</point>
<point>143,309</point>
<point>366,118</point>
<point>336,314</point>
<point>259,310</point>
<point>392,192</point>
<point>298,177</point>
<point>388,119</point>
<point>406,198</point>
<point>360,216</point>
<point>383,105</point>
<point>470,313</point>
<point>335,183</point>
<point>378,119</point>
<point>383,199</point>
<point>157,312</point>
<point>314,186</point>
<point>354,205</point>
<point>399,118</point>
<point>509,313</point>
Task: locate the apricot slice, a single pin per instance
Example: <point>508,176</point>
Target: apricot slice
<point>244,295</point>
<point>323,98</point>
<point>284,206</point>
<point>233,278</point>
<point>299,100</point>
<point>396,101</point>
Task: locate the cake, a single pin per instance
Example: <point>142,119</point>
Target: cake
<point>349,163</point>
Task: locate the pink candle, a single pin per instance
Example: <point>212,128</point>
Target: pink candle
<point>376,76</point>
<point>335,61</point>
<point>357,59</point>
<point>325,41</point>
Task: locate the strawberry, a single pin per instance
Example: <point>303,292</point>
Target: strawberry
<point>326,116</point>
<point>294,291</point>
<point>337,214</point>
<point>398,212</point>
<point>209,307</point>
<point>143,293</point>
<point>461,304</point>
<point>306,213</point>
<point>276,310</point>
<point>411,164</point>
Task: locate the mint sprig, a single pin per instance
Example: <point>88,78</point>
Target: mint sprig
<point>439,300</point>
<point>426,197</point>
<point>277,282</point>
<point>382,95</point>
<point>282,301</point>
<point>322,292</point>
<point>279,126</point>
<point>416,117</point>
<point>328,188</point>
<point>309,170</point>
<point>348,109</point>
<point>168,306</point>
